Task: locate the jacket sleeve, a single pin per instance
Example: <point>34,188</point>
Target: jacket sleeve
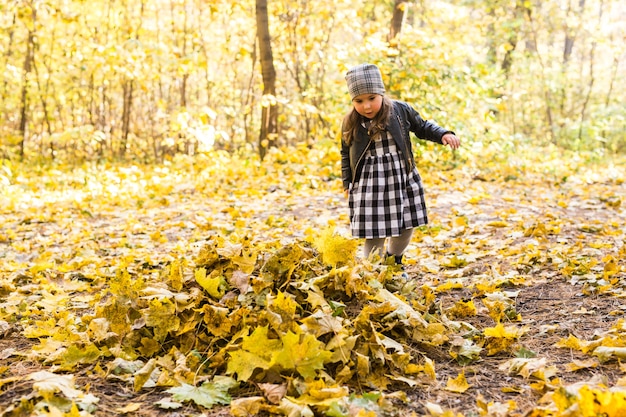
<point>346,171</point>
<point>423,129</point>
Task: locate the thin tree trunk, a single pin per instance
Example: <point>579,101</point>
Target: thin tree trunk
<point>269,114</point>
<point>507,61</point>
<point>128,103</point>
<point>592,54</point>
<point>9,53</point>
<point>544,82</point>
<point>44,92</point>
<point>568,47</point>
<point>397,18</point>
<point>28,64</point>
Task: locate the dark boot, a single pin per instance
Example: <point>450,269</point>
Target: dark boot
<point>400,278</point>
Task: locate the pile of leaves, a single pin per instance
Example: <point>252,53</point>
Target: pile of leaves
<point>251,297</point>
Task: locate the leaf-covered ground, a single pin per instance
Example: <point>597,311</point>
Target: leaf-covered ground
<point>221,285</point>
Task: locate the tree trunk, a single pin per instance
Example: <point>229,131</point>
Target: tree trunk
<point>28,64</point>
<point>126,111</point>
<point>269,114</point>
<point>571,33</point>
<point>513,38</point>
<point>9,53</point>
<point>397,18</point>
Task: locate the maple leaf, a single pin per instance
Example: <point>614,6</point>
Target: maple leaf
<point>208,256</point>
<point>48,383</point>
<point>161,316</point>
<point>336,250</point>
<point>529,367</point>
<point>206,395</point>
<point>463,309</point>
<point>572,342</point>
<point>274,392</point>
<point>143,375</point>
<point>606,353</point>
<point>244,363</point>
<point>464,350</point>
<point>217,319</point>
<point>500,338</point>
<point>255,353</point>
<point>458,384</point>
<point>214,283</point>
<point>124,285</point>
<point>175,277</point>
<point>281,310</point>
<point>116,313</point>
<point>75,355</point>
<point>245,260</point>
<point>320,323</point>
<point>303,353</point>
<point>248,406</point>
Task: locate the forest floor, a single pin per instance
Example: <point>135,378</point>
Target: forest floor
<point>555,240</point>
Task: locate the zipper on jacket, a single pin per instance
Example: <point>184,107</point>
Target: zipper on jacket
<point>361,157</point>
<point>407,143</point>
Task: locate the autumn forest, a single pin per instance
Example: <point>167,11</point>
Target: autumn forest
<point>174,235</point>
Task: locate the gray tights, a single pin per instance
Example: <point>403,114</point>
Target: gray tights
<point>396,246</point>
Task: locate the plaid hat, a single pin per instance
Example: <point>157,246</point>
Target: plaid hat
<point>364,79</point>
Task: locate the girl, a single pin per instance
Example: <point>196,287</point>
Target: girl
<point>385,192</point>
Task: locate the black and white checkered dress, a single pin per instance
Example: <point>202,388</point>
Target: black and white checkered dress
<point>386,200</point>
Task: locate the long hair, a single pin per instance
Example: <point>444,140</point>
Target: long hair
<point>352,120</point>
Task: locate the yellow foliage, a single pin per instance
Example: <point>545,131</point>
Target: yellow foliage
<point>501,338</point>
<point>336,250</point>
<point>458,384</point>
<point>463,309</point>
<point>214,283</point>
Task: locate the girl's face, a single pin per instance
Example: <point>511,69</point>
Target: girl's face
<point>368,105</point>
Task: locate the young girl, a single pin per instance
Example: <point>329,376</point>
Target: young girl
<point>385,192</point>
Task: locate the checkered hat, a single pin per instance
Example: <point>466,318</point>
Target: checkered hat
<point>364,79</point>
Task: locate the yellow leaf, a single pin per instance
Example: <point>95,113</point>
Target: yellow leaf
<point>499,223</point>
<point>243,364</point>
<point>454,262</point>
<point>256,352</point>
<point>601,402</point>
<point>161,316</point>
<point>302,352</point>
<point>248,406</point>
<point>500,338</point>
<point>336,250</point>
<point>143,375</point>
<point>48,384</point>
<point>611,267</point>
<point>576,365</point>
<point>245,260</point>
<point>606,353</point>
<point>213,283</point>
<point>217,320</point>
<point>463,309</point>
<point>448,285</point>
<point>129,408</point>
<point>458,384</point>
<point>175,278</point>
<point>572,342</point>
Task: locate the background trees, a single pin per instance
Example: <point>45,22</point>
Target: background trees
<point>149,79</point>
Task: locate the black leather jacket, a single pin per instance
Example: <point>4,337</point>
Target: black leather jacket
<point>403,119</point>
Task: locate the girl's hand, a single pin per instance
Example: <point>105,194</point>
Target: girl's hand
<point>452,140</point>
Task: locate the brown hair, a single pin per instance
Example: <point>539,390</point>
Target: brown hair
<point>352,120</point>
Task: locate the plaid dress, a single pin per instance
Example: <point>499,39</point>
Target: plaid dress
<point>386,199</point>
